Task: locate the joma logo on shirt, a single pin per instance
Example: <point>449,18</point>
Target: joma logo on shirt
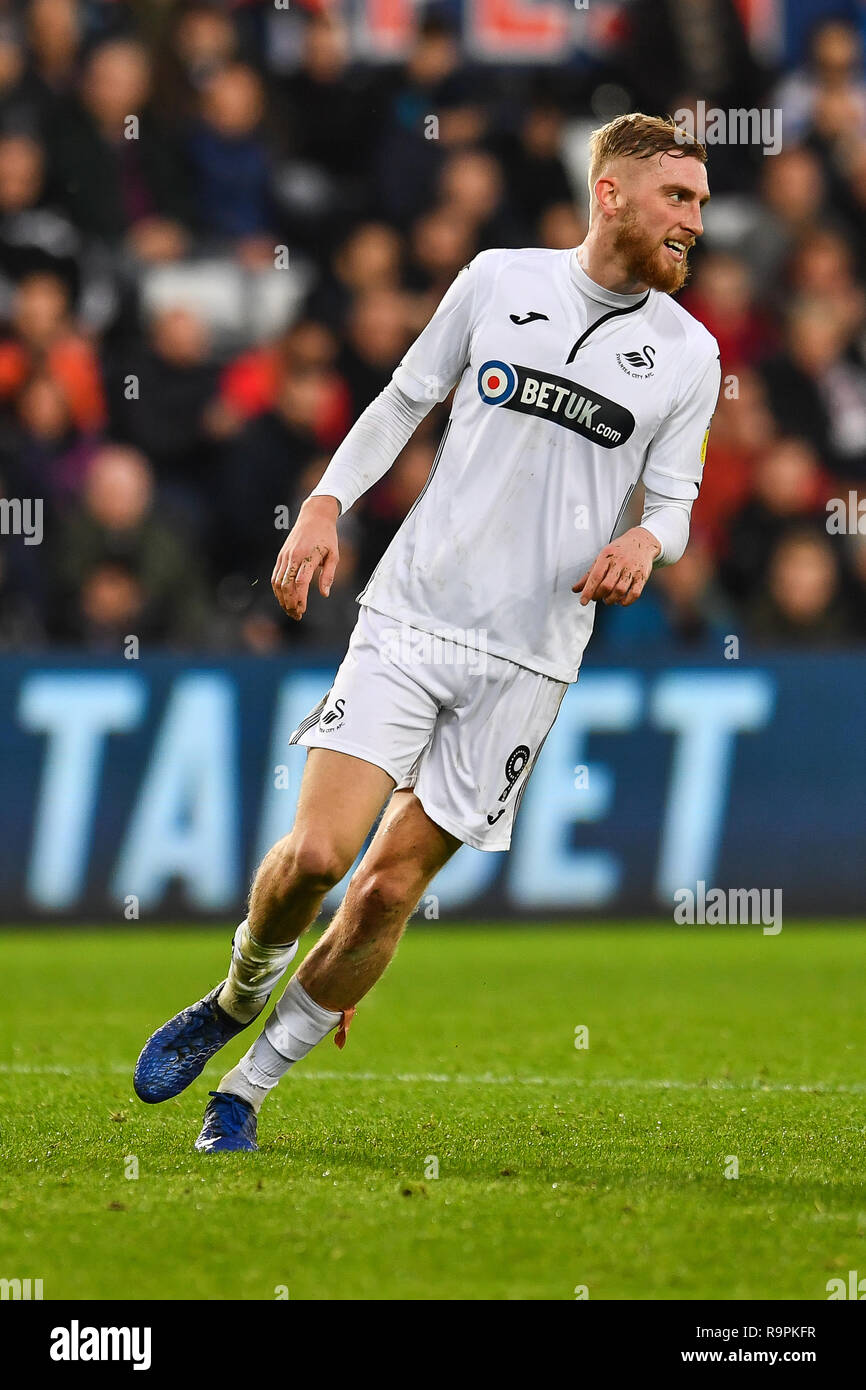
<point>556,398</point>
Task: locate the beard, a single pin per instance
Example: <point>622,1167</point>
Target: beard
<point>646,260</point>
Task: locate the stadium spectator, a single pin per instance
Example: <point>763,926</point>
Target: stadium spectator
<point>802,603</point>
<point>44,337</point>
<point>199,40</point>
<point>436,106</point>
<point>332,117</point>
<point>44,452</point>
<point>441,242</point>
<point>112,605</point>
<point>370,258</point>
<point>19,97</point>
<point>231,164</point>
<point>537,176</point>
<point>54,38</point>
<point>815,390</point>
<point>743,429</point>
<point>158,397</point>
<point>260,473</point>
<point>834,70</point>
<point>377,335</point>
<point>851,197</point>
<point>120,565</point>
<point>724,299</point>
<point>822,267</point>
<point>677,52</point>
<point>117,171</point>
<point>472,188</point>
<point>33,234</point>
<point>793,193</point>
<point>789,490</point>
<point>250,385</point>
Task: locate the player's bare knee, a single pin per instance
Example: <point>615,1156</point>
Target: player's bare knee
<point>384,894</point>
<point>310,862</point>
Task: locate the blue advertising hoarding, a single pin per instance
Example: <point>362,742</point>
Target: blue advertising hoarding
<point>152,788</point>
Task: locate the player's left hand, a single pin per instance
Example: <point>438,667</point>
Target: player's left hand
<point>621,570</point>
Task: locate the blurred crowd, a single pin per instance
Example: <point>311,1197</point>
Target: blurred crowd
<point>220,230</point>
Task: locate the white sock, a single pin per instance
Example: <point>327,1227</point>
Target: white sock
<point>253,972</point>
<point>293,1029</point>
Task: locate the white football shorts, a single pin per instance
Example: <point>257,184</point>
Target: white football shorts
<point>460,727</point>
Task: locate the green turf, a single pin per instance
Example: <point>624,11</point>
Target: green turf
<point>558,1167</point>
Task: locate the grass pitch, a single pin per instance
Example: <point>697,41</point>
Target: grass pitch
<point>558,1167</point>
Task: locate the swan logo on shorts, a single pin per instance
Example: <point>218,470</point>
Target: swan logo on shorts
<point>497,382</point>
<point>332,719</point>
<point>558,399</point>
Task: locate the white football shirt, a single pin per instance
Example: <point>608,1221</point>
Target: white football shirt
<point>568,396</point>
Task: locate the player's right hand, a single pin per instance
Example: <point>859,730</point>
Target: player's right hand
<point>311,544</point>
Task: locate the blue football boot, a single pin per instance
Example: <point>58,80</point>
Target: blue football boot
<point>178,1051</point>
<point>229,1125</point>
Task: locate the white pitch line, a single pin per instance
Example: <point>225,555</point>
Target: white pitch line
<point>485,1079</point>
